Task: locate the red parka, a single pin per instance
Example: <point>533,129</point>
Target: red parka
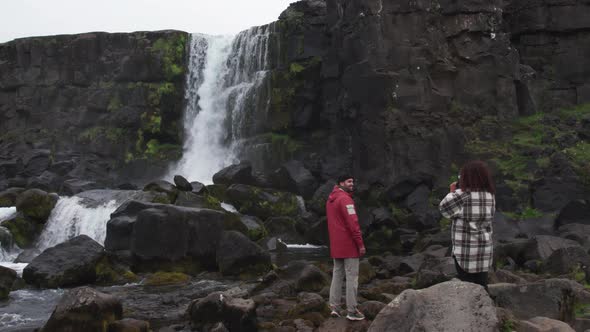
<point>345,234</point>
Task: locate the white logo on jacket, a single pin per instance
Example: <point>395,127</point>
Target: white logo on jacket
<point>350,209</point>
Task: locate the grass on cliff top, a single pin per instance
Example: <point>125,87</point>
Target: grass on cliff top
<point>544,134</point>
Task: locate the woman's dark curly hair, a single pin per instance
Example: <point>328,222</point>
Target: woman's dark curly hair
<point>475,176</point>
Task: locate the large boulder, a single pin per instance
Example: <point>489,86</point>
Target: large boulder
<point>36,204</point>
<point>235,313</point>
<point>449,306</point>
<point>7,278</point>
<point>170,233</point>
<point>239,173</point>
<point>68,264</point>
<point>543,246</point>
<point>552,298</point>
<point>84,309</point>
<point>262,203</point>
<point>292,176</point>
<point>182,183</point>
<point>566,260</point>
<point>237,255</point>
<point>575,212</point>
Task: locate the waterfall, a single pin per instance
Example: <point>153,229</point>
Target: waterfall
<point>86,213</point>
<point>222,87</point>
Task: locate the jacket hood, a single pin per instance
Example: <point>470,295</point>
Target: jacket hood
<point>337,192</point>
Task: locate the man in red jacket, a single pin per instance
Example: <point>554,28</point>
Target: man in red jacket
<point>346,246</point>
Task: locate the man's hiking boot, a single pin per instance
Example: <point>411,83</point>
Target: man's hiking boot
<point>357,315</point>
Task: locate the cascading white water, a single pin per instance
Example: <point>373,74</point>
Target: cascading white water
<point>220,89</point>
<point>70,218</point>
<point>87,213</point>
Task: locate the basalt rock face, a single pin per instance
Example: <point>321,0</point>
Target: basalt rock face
<point>553,39</point>
<point>93,106</point>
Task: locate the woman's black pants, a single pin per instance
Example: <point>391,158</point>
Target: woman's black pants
<point>480,278</point>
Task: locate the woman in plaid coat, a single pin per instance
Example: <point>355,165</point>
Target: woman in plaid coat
<point>471,209</point>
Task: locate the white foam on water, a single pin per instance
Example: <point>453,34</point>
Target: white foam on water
<point>228,207</point>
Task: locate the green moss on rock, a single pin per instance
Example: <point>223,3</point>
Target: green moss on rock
<point>108,274</point>
<point>162,278</point>
<point>24,230</point>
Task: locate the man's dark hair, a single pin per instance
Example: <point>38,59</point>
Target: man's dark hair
<point>344,177</point>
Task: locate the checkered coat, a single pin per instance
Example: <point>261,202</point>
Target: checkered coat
<point>471,214</point>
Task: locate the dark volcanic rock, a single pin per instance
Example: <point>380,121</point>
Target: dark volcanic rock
<point>182,183</point>
<point>294,177</point>
<point>36,204</point>
<point>90,102</point>
<point>235,174</point>
<point>84,309</point>
<point>68,264</point>
<point>7,278</point>
<point>575,212</point>
<point>236,314</point>
<point>262,203</point>
<point>553,298</point>
<point>237,255</point>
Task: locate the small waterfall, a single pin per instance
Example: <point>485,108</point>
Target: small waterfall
<point>86,213</point>
<point>222,84</point>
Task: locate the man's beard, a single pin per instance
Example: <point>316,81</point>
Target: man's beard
<point>348,190</point>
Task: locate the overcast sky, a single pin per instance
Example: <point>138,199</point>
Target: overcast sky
<point>26,18</point>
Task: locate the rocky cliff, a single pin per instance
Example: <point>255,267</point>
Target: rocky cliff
<point>398,90</point>
<point>98,107</point>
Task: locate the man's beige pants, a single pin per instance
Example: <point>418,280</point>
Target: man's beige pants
<point>350,268</point>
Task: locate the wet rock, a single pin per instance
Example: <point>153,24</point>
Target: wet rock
<point>235,313</point>
<point>7,278</point>
<point>36,204</point>
<point>198,187</point>
<point>235,174</point>
<point>182,184</point>
<point>449,306</point>
<point>70,263</point>
<point>84,309</point>
<point>24,230</point>
<point>27,255</point>
<point>237,255</point>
